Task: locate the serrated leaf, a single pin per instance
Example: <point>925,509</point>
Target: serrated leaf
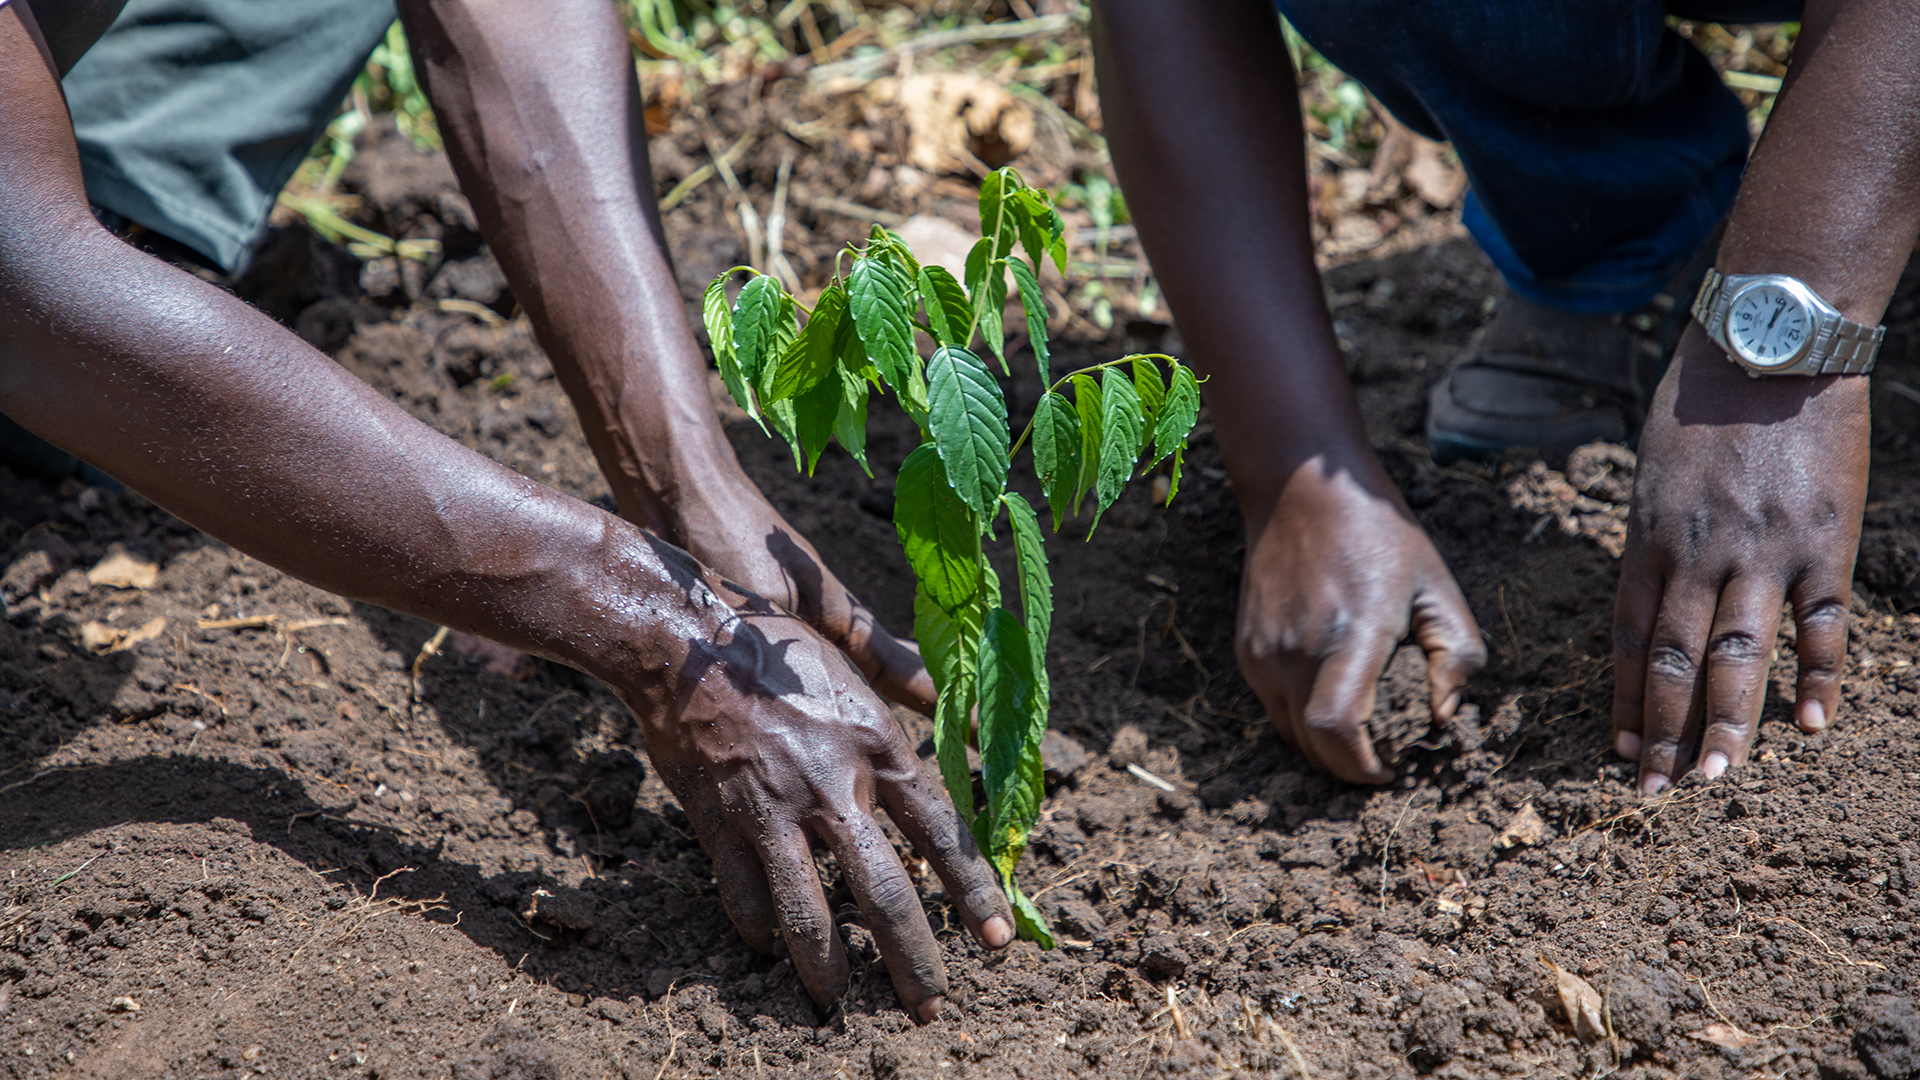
<point>1034,303</point>
<point>718,315</point>
<point>1121,426</point>
<point>952,723</point>
<point>850,426</point>
<point>877,299</point>
<point>940,534</point>
<point>1059,252</point>
<point>1057,453</point>
<point>1036,583</point>
<point>811,357</point>
<point>949,641</point>
<point>1033,213</point>
<point>949,312</point>
<point>756,326</point>
<point>1153,395</point>
<point>1090,408</point>
<point>987,293</point>
<point>1013,718</point>
<point>1027,920</point>
<point>786,424</point>
<point>815,414</point>
<point>967,416</point>
<point>1177,416</point>
<point>997,216</point>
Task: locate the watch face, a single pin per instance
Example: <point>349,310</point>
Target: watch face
<point>1767,326</point>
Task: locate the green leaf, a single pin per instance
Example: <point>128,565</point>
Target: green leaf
<point>997,214</point>
<point>1177,415</point>
<point>940,534</point>
<point>1153,394</point>
<point>877,297</point>
<point>1034,303</point>
<point>811,357</point>
<point>1036,583</point>
<point>949,641</point>
<point>816,412</point>
<point>719,319</point>
<point>967,416</point>
<point>786,424</point>
<point>1013,718</point>
<point>987,292</point>
<point>952,724</point>
<point>1176,421</point>
<point>1089,407</point>
<point>850,425</point>
<point>949,312</point>
<point>1027,920</point>
<point>1056,453</point>
<point>1059,251</point>
<point>1121,426</point>
<point>756,326</point>
<point>1033,213</point>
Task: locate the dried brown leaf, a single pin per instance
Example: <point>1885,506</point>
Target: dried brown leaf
<point>1432,177</point>
<point>1725,1035</point>
<point>123,570</point>
<point>1526,830</point>
<point>102,638</point>
<point>1581,1002</point>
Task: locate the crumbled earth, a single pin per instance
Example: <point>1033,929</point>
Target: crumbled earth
<point>274,835</point>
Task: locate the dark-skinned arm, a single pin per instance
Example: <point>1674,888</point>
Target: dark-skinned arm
<point>199,402</point>
<point>1203,119</point>
<point>1750,491</point>
<point>543,122</point>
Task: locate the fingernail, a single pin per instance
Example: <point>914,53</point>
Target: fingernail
<point>929,1010</point>
<point>1626,744</point>
<point>996,932</point>
<point>1813,716</point>
<point>1652,783</point>
<point>1714,764</point>
<point>1450,705</point>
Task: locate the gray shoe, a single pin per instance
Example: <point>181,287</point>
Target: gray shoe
<point>1556,380</point>
<point>1546,379</point>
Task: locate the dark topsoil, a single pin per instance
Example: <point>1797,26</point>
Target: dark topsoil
<point>271,851</point>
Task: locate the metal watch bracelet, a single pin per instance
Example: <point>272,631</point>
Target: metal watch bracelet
<point>1840,346</point>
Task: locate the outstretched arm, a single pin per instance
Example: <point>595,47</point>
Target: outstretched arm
<point>216,413</point>
<point>1750,491</point>
<point>542,116</point>
<point>1204,121</point>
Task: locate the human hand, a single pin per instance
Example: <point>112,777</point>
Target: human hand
<point>729,525</point>
<point>1338,573</point>
<point>1748,492</point>
<point>769,740</point>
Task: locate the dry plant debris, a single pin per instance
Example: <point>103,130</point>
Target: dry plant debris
<point>1585,1010</point>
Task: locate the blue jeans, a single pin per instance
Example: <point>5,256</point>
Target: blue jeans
<point>1601,148</point>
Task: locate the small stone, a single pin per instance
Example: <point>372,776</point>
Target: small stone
<point>124,1004</point>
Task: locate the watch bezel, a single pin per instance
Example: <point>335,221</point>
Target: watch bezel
<point>1810,303</point>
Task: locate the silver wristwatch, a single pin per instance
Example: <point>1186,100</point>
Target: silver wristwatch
<point>1772,324</point>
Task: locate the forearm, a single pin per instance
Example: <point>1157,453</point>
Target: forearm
<point>214,412</point>
<point>1203,119</point>
<point>542,117</point>
<point>1832,194</point>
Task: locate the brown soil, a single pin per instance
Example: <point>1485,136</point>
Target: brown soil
<point>275,851</point>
